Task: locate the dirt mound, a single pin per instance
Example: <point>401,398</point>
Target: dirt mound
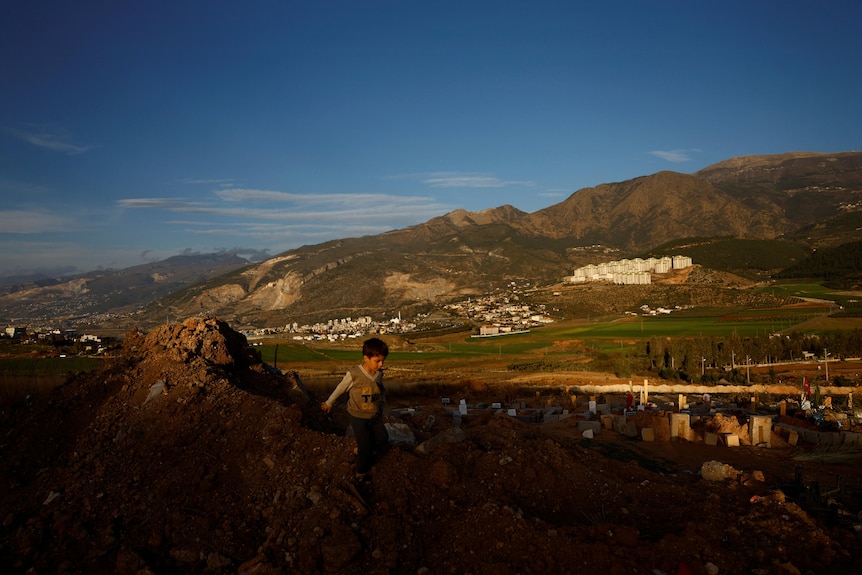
<point>721,424</point>
<point>189,455</point>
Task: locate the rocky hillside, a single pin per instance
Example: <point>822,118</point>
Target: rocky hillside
<point>462,253</point>
<point>188,455</point>
<point>807,187</point>
<point>109,291</point>
<point>642,213</point>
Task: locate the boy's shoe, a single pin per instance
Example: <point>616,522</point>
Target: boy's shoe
<point>359,477</point>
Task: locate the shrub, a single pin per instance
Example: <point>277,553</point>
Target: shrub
<point>668,373</point>
<point>842,381</point>
<point>622,368</point>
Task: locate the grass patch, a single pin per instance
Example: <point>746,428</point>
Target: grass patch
<point>23,376</point>
<point>811,290</point>
<point>284,353</point>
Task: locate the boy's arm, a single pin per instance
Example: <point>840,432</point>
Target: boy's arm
<point>345,384</point>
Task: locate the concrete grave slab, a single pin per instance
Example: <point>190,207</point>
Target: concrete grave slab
<point>730,439</point>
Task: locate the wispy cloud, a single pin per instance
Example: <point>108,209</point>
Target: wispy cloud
<point>281,232</point>
<point>378,211</point>
<point>554,193</point>
<point>210,182</point>
<point>675,156</point>
<point>461,180</point>
<point>254,195</point>
<point>179,204</point>
<point>55,140</point>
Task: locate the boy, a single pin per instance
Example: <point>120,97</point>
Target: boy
<point>366,396</point>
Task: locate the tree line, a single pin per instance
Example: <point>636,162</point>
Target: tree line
<point>710,358</point>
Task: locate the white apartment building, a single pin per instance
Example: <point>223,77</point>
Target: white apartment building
<point>635,271</point>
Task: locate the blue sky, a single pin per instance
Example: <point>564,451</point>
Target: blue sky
<point>132,131</point>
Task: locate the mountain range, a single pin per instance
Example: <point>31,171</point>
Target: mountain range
<point>780,206</point>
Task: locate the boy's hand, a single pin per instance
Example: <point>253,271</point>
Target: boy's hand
<point>325,407</point>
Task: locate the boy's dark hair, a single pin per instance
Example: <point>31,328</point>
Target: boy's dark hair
<point>374,347</point>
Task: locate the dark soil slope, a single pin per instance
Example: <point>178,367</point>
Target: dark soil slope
<point>188,455</point>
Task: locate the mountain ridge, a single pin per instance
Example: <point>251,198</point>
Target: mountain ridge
<point>645,206</point>
<point>462,253</point>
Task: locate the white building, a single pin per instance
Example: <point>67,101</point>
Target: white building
<point>681,262</point>
<point>620,271</point>
<point>632,278</point>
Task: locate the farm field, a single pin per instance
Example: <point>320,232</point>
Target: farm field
<point>813,291</point>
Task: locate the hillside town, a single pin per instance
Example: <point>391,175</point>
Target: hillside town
<point>496,314</point>
<point>499,314</point>
<point>86,343</point>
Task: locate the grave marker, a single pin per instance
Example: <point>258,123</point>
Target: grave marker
<point>760,429</point>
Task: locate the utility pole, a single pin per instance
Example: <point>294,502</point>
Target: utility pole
<point>826,363</point>
<point>747,373</point>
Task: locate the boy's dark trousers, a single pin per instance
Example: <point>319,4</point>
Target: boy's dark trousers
<point>371,440</point>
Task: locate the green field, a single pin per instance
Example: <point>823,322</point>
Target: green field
<point>670,326</point>
<point>22,376</point>
<point>811,290</point>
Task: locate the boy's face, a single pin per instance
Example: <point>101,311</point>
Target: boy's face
<point>372,363</point>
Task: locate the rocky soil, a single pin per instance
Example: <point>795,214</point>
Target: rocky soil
<point>189,455</point>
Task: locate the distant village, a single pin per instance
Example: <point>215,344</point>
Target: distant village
<point>501,314</point>
<point>337,329</point>
<point>498,314</point>
<point>89,344</point>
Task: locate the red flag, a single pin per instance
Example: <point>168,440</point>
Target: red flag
<point>806,388</point>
